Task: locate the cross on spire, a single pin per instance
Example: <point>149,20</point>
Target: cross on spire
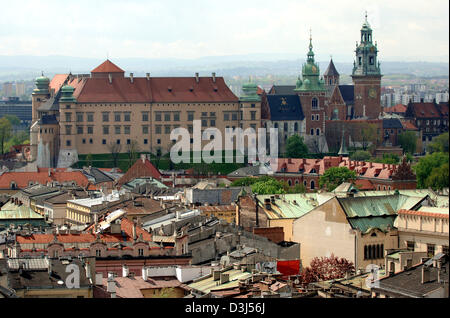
<point>366,15</point>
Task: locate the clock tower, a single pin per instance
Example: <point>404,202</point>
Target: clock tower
<point>367,76</point>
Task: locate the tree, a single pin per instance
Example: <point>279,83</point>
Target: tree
<point>360,155</point>
<point>438,178</point>
<point>368,135</point>
<point>244,182</point>
<point>327,268</point>
<point>439,144</point>
<point>268,186</point>
<point>408,142</point>
<point>5,132</point>
<point>424,168</point>
<point>114,148</point>
<point>132,152</point>
<point>298,188</point>
<point>295,147</point>
<point>89,160</point>
<point>335,176</point>
<point>389,159</point>
<point>13,119</point>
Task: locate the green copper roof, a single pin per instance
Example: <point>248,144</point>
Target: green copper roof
<point>250,91</point>
<point>42,83</point>
<point>311,74</point>
<point>67,94</point>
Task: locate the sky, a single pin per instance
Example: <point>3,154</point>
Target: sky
<point>406,30</point>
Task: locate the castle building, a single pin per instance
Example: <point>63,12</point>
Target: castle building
<point>89,114</point>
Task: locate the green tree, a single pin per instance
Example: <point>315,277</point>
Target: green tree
<point>89,160</point>
<point>369,135</point>
<point>424,168</point>
<point>335,176</point>
<point>360,155</point>
<point>439,144</point>
<point>390,159</point>
<point>298,188</point>
<point>268,186</point>
<point>5,132</point>
<point>408,142</point>
<point>295,147</point>
<point>13,119</point>
<point>438,178</point>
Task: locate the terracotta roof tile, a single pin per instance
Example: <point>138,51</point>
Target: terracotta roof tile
<point>22,179</point>
<point>424,213</point>
<point>399,108</point>
<point>107,67</point>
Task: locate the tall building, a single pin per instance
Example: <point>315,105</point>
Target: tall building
<point>90,114</point>
<point>367,76</point>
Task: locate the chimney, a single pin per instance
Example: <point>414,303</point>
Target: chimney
<point>214,77</point>
<point>197,79</point>
<point>125,270</point>
<point>425,274</point>
<point>148,76</point>
<point>134,229</point>
<point>144,273</point>
<point>216,275</point>
<point>111,287</point>
<point>224,278</point>
<point>110,78</point>
<point>99,279</point>
<point>143,157</point>
<point>49,172</point>
<point>132,77</point>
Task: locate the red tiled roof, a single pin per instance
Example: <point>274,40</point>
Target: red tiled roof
<point>407,125</point>
<point>424,110</point>
<point>141,168</point>
<point>424,213</point>
<point>362,169</point>
<point>443,108</point>
<point>107,67</point>
<point>22,179</point>
<point>126,225</point>
<point>399,108</point>
<point>57,81</point>
<point>364,185</point>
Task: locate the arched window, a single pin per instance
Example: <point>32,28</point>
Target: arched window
<point>312,132</point>
<point>315,103</point>
<point>296,127</point>
<point>331,81</point>
<point>304,183</point>
<point>289,182</point>
<point>296,181</point>
<point>318,131</point>
<point>313,185</point>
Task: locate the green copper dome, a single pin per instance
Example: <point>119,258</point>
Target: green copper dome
<point>67,94</point>
<point>42,82</point>
<point>250,92</point>
<point>310,74</point>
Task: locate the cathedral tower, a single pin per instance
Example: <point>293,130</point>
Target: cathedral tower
<point>367,76</point>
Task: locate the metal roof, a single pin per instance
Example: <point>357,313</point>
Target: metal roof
<point>209,284</point>
<point>12,211</point>
<point>290,206</point>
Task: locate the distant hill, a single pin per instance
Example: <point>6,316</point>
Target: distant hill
<point>28,67</point>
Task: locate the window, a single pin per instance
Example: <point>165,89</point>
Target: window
<point>127,130</point>
<point>145,141</point>
<point>190,116</point>
<point>69,117</point>
<point>315,103</point>
<point>104,141</point>
<point>68,143</point>
<point>410,246</point>
<point>212,122</point>
<point>105,130</point>
<point>318,132</point>
<point>91,141</point>
<point>204,114</point>
<point>145,116</point>
<point>157,116</point>
<point>98,253</point>
<point>68,130</point>
<point>234,116</point>
<point>313,117</point>
<point>117,130</point>
<point>79,117</point>
<point>128,141</point>
<point>141,252</point>
<point>430,250</point>
<point>226,116</point>
<point>296,127</point>
<point>371,60</point>
<point>312,132</point>
<point>252,115</point>
<point>79,130</point>
<point>204,122</point>
<point>317,117</point>
<point>90,130</point>
<point>176,117</point>
<point>253,106</point>
<point>167,129</point>
<point>118,141</point>
<point>117,117</point>
<point>158,142</point>
<point>360,60</point>
<point>145,129</point>
<point>190,129</point>
<point>105,117</point>
<point>212,114</point>
<point>90,117</point>
<point>166,116</point>
<point>127,116</point>
<point>286,127</point>
<point>158,129</point>
<point>313,185</point>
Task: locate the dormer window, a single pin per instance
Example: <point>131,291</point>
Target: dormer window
<point>13,185</point>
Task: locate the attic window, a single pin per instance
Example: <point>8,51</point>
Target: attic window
<point>191,89</point>
<point>169,88</point>
<point>215,88</point>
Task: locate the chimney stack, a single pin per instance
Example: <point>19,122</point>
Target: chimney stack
<point>134,229</point>
<point>197,79</point>
<point>425,274</point>
<point>111,287</point>
<point>144,273</point>
<point>214,77</point>
<point>125,270</point>
<point>132,77</point>
<point>148,76</point>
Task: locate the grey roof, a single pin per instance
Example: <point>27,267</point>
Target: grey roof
<point>331,70</point>
<point>392,123</point>
<point>50,104</point>
<point>250,171</point>
<point>408,283</point>
<point>348,93</point>
<point>285,107</point>
<point>98,175</point>
<point>283,89</point>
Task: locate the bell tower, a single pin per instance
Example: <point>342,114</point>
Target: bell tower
<point>367,76</point>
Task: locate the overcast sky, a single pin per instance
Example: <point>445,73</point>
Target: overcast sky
<point>406,30</point>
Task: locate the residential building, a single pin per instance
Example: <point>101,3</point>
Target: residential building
<point>221,212</point>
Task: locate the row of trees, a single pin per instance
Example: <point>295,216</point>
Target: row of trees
<point>8,136</point>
